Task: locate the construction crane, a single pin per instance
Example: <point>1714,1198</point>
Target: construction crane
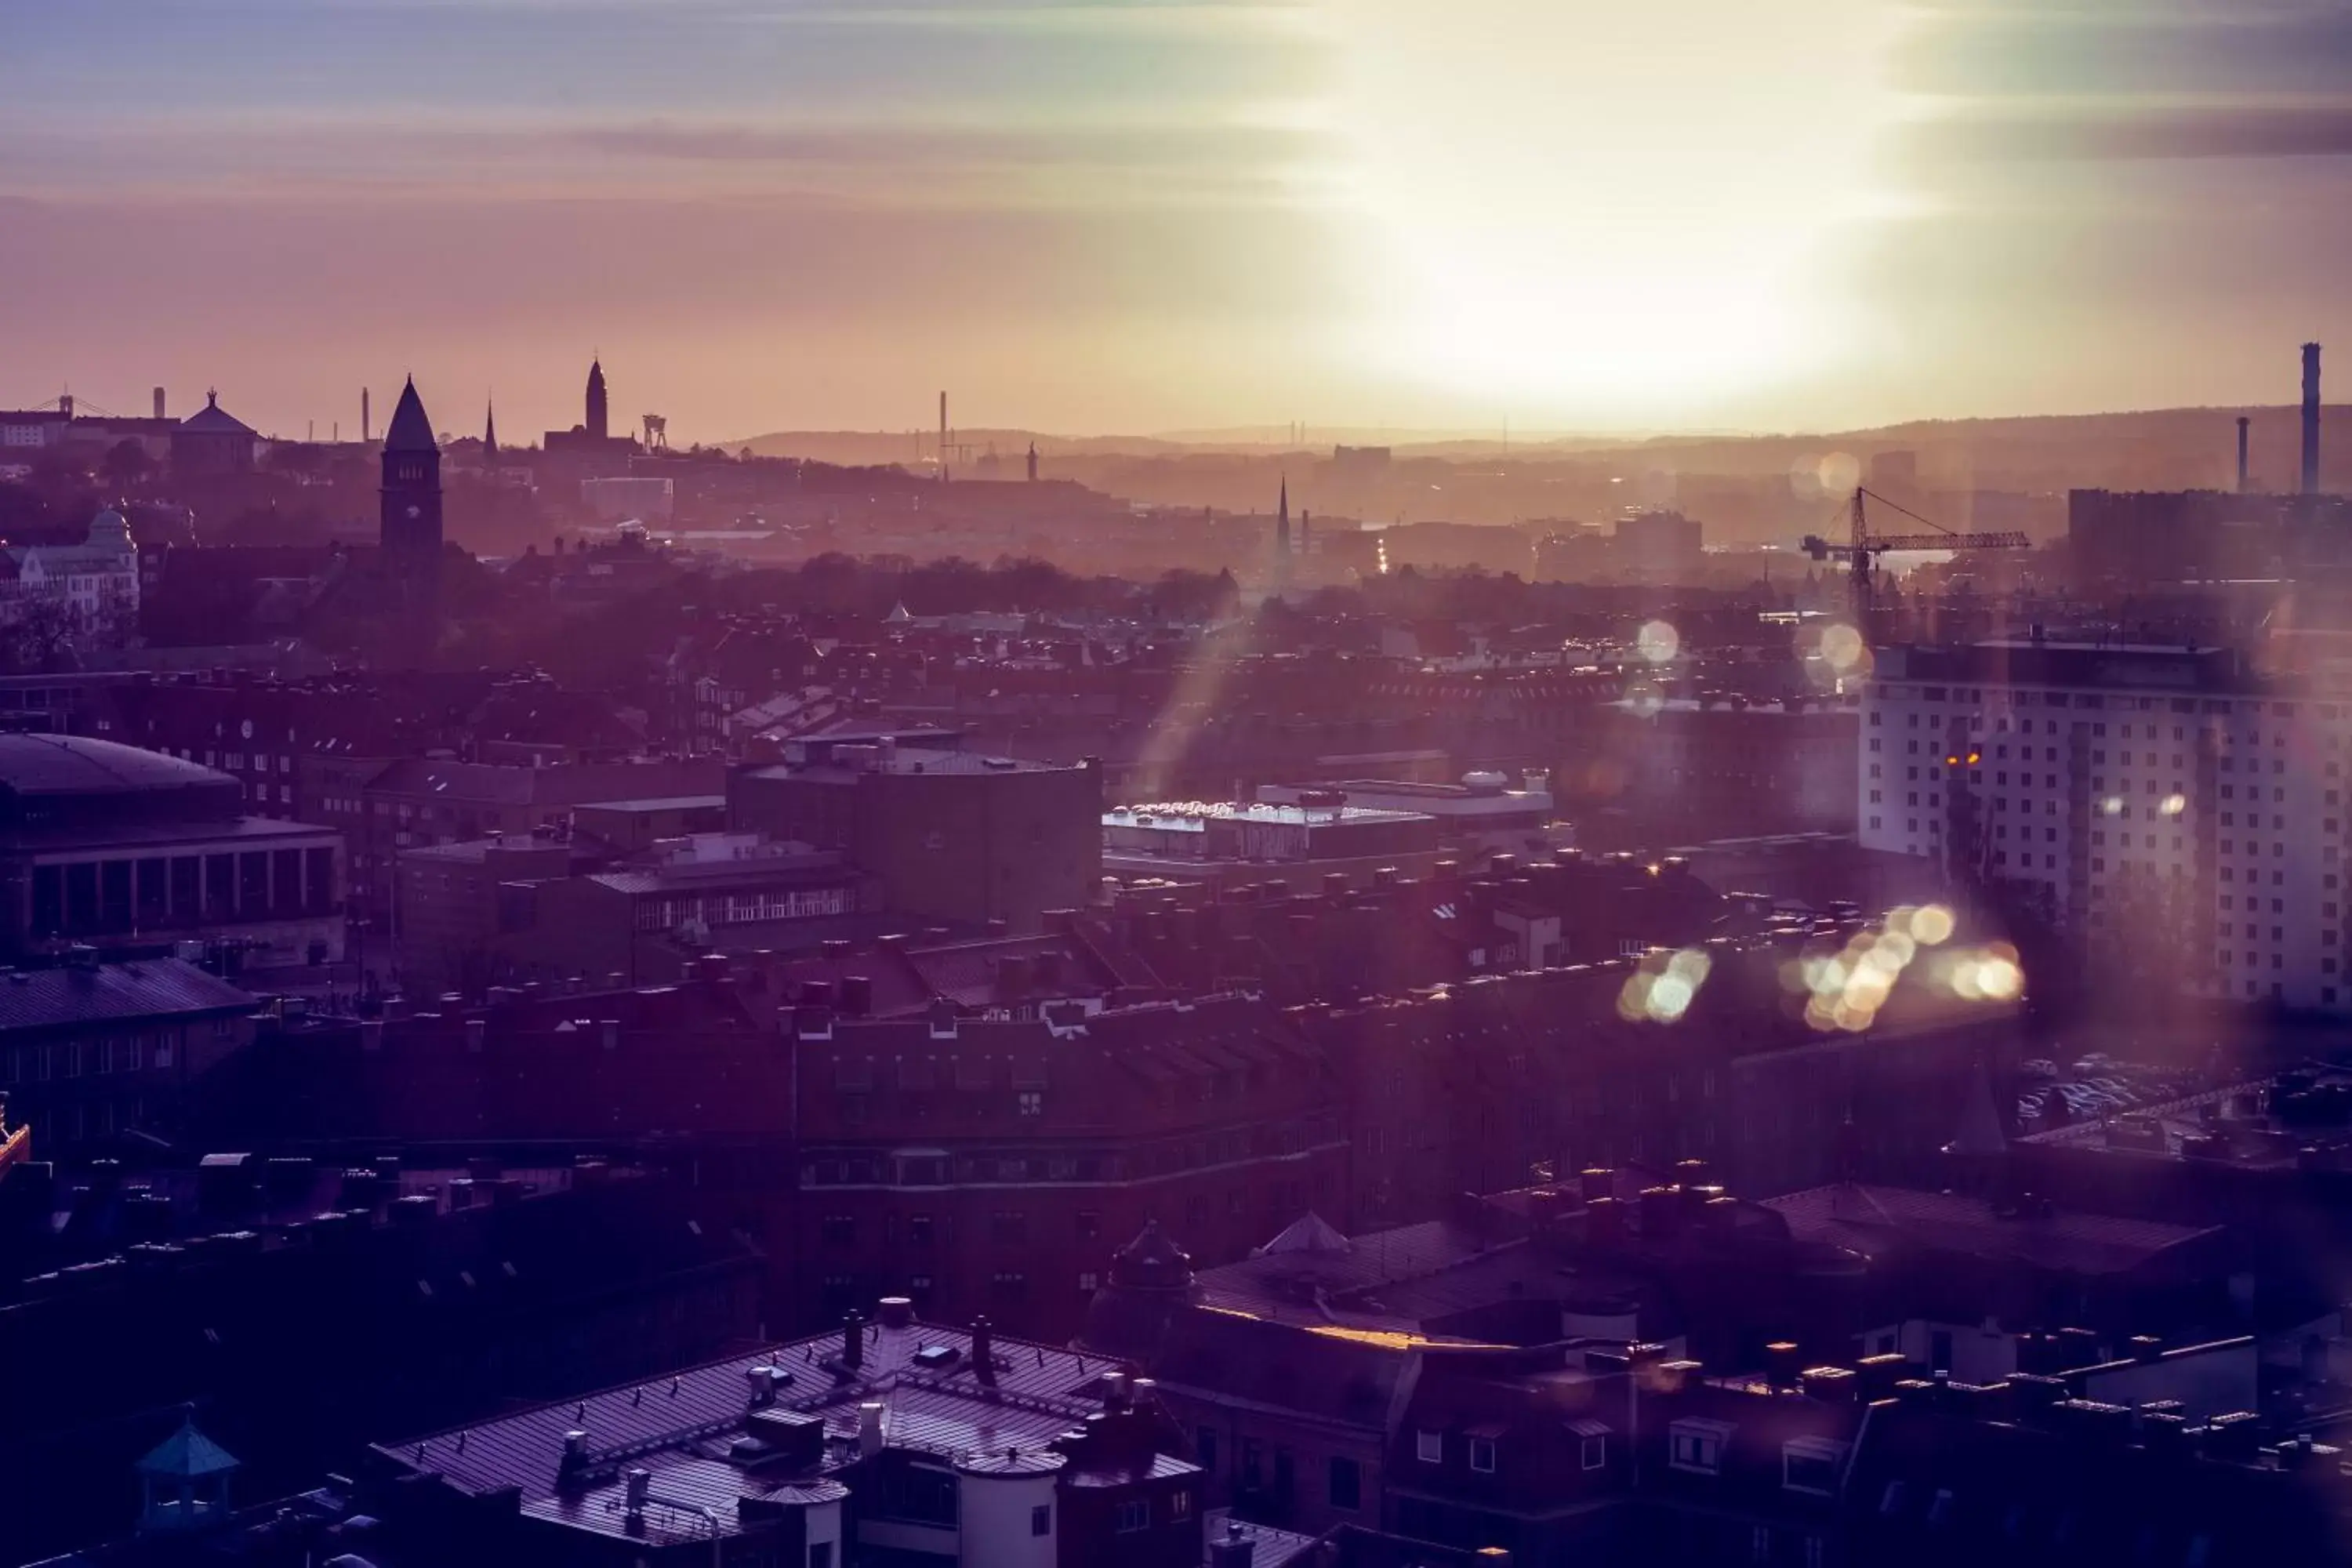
<point>1863,547</point>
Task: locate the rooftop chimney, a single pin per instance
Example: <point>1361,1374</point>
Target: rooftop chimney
<point>1235,1551</point>
<point>853,1341</point>
<point>2311,419</point>
<point>869,1428</point>
<point>984,1353</point>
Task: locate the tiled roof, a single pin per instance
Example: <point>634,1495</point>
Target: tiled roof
<point>151,988</point>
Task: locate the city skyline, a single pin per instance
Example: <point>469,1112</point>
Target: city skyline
<point>1129,218</point>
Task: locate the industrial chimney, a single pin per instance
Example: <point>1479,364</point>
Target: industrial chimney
<point>2242,423</point>
<point>363,415</point>
<point>159,402</point>
<point>2311,419</point>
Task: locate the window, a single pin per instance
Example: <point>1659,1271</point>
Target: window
<point>820,1554</point>
<point>1033,1102</point>
<point>1180,1505</point>
<point>1346,1483</point>
<point>1041,1519</point>
<point>1134,1516</point>
<point>1429,1448</point>
<point>1813,1465</point>
<point>1596,1453</point>
<point>1482,1454</point>
<point>1760,1544</point>
<point>1696,1446</point>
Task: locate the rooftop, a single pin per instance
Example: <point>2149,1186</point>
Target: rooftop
<point>689,1428</point>
<point>79,766</point>
<point>1195,815</point>
<point>1872,1220</point>
<point>151,988</point>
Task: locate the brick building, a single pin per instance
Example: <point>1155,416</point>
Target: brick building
<point>953,835</point>
<point>91,1049</point>
<point>489,911</point>
<point>993,1166</point>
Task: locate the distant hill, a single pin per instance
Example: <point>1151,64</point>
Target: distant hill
<point>2153,448</point>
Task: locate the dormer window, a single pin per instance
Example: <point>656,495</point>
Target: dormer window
<point>1429,1446</point>
<point>1813,1465</point>
<point>1697,1446</point>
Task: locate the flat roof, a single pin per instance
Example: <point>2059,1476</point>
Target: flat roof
<point>657,803</point>
<point>1193,816</point>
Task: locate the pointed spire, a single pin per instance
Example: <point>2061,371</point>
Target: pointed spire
<point>410,430</point>
<point>490,429</point>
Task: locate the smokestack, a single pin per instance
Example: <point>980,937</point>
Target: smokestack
<point>943,437</point>
<point>159,402</point>
<point>2242,423</point>
<point>2311,419</point>
<point>363,415</point>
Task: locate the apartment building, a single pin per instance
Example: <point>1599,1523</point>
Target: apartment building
<point>2146,793</point>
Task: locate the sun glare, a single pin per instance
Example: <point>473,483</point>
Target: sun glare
<point>1596,210</point>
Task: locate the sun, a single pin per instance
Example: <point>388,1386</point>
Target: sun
<point>1605,210</point>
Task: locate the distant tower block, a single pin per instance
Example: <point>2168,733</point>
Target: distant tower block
<point>599,418</point>
<point>2311,419</point>
<point>657,432</point>
<point>2242,423</point>
<point>159,402</point>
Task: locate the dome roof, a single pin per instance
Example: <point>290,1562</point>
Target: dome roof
<point>81,766</point>
<point>110,528</point>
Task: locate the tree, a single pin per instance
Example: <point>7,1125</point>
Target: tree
<point>38,638</point>
<point>126,465</point>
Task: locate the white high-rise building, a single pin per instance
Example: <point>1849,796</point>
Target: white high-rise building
<point>2150,793</point>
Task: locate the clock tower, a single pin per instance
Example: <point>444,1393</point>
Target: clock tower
<point>410,537</point>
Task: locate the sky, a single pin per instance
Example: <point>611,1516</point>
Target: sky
<point>1139,215</point>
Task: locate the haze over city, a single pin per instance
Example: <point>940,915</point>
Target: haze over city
<point>1097,216</point>
<point>1175,784</point>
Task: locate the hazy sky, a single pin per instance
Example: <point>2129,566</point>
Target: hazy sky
<point>1134,216</point>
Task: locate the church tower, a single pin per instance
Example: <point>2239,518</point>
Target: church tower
<point>599,422</point>
<point>410,527</point>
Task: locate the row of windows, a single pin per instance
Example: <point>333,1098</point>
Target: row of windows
<point>1007,1226</point>
<point>90,1058</point>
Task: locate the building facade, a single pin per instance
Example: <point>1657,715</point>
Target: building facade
<point>2144,794</point>
<point>125,849</point>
